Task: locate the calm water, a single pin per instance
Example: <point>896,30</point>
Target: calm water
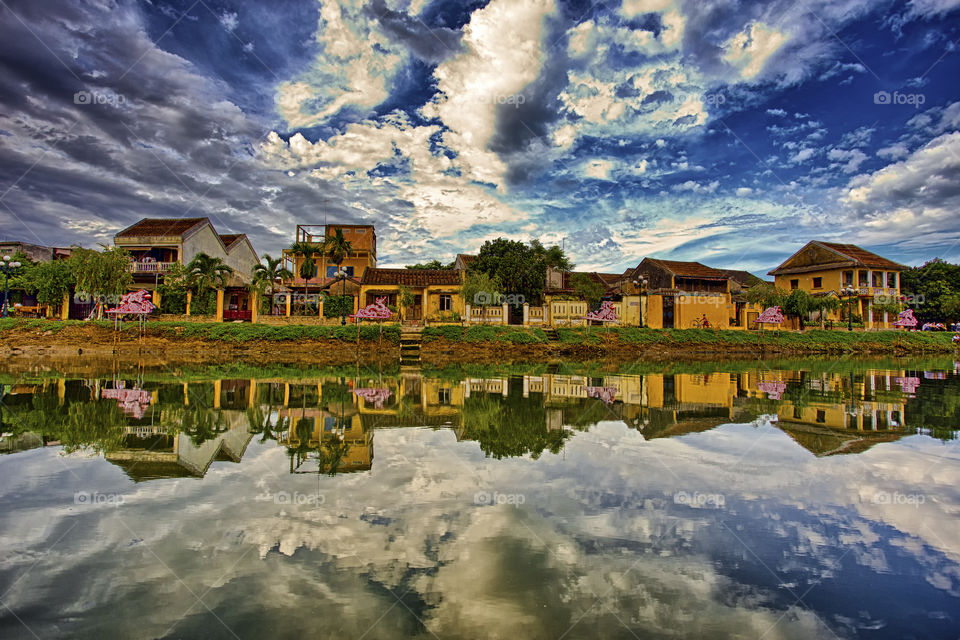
<point>740,500</point>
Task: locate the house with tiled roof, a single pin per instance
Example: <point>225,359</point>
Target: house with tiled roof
<point>831,268</point>
<point>463,261</point>
<point>157,244</point>
<point>682,294</point>
<point>436,293</point>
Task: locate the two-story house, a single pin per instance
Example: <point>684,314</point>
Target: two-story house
<point>827,268</point>
<point>680,294</point>
<point>156,244</point>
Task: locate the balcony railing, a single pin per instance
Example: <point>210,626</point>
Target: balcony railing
<point>151,267</point>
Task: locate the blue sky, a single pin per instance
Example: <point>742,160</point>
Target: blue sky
<point>721,131</point>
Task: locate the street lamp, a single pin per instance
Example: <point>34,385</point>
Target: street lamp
<point>8,264</point>
<point>849,292</point>
<point>342,274</point>
<point>641,285</point>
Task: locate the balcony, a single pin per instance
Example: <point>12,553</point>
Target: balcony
<point>151,267</point>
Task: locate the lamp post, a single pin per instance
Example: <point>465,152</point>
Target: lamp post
<point>8,264</point>
<point>849,292</point>
<point>342,274</point>
<point>641,285</point>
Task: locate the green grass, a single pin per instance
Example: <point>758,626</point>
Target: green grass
<point>484,333</point>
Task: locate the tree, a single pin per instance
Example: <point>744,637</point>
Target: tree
<point>337,248</point>
<point>798,304</point>
<point>205,274</point>
<point>265,276</point>
<point>587,288</point>
<point>479,289</point>
<point>520,269</point>
<point>552,256</point>
<point>405,299</point>
<point>309,250</point>
<point>824,304</point>
<point>930,288</point>
<point>765,295</point>
<point>101,274</point>
<point>50,281</point>
<point>433,264</point>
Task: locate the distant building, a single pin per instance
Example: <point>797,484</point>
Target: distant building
<point>436,292</point>
<point>463,261</point>
<point>826,268</point>
<point>35,252</point>
<point>362,256</point>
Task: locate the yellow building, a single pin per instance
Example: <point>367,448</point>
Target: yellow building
<point>436,292</point>
<point>827,268</point>
<point>363,255</point>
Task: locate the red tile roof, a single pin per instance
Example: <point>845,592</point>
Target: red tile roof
<point>862,256</point>
<point>229,238</point>
<point>154,227</point>
<point>411,277</point>
<point>688,269</point>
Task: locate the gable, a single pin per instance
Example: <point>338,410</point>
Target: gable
<point>811,258</point>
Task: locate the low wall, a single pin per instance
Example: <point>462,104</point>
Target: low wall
<point>300,320</point>
<point>180,317</point>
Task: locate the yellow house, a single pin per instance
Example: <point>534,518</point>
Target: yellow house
<point>680,294</point>
<point>363,254</point>
<point>436,292</point>
<point>827,268</point>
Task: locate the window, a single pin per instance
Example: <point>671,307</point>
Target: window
<point>892,280</point>
<point>818,283</point>
<point>443,396</point>
<point>332,271</point>
<point>821,415</point>
<point>446,302</point>
<point>877,279</point>
<point>862,278</point>
<point>794,284</point>
<point>848,278</point>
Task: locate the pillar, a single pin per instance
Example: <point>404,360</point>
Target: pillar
<point>252,398</point>
<point>466,314</point>
<point>61,390</point>
<point>255,307</point>
<point>217,388</point>
<point>155,298</point>
<point>189,300</point>
<point>526,313</point>
<point>319,305</point>
<point>219,317</point>
<point>186,395</point>
<point>65,307</point>
<point>286,394</point>
<point>287,302</point>
<point>506,313</point>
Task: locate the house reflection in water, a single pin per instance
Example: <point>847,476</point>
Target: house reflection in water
<point>327,424</point>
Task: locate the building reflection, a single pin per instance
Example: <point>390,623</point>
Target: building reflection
<point>327,424</point>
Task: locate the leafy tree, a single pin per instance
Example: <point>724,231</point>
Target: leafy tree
<point>823,305</point>
<point>173,289</point>
<point>337,248</point>
<point>519,268</point>
<point>931,288</point>
<point>101,273</point>
<point>765,295</point>
<point>205,274</point>
<point>433,264</point>
<point>50,281</point>
<point>266,274</point>
<point>798,304</point>
<point>309,251</point>
<point>336,306</point>
<point>552,256</point>
<point>405,299</point>
<point>479,289</point>
<point>587,288</point>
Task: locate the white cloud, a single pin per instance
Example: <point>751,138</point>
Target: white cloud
<point>744,191</point>
<point>852,158</point>
<point>749,50</point>
<point>802,156</point>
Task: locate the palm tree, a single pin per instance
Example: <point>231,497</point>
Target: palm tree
<point>205,272</point>
<point>265,276</point>
<point>338,248</point>
<point>308,268</point>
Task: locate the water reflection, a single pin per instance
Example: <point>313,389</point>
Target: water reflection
<point>775,502</point>
<point>161,429</point>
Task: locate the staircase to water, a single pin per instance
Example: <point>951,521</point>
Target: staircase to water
<point>410,347</point>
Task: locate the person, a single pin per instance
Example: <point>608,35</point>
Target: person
<point>704,322</point>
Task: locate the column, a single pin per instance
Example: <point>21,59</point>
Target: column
<point>219,317</point>
<point>466,314</point>
<point>506,313</point>
<point>189,300</point>
<point>287,302</point>
<point>526,313</point>
<point>65,307</point>
<point>251,399</point>
<point>255,307</point>
<point>155,298</point>
<point>217,387</point>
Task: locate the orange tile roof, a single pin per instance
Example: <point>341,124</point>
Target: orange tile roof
<point>862,256</point>
<point>153,227</point>
<point>229,238</point>
<point>411,277</point>
<point>689,269</point>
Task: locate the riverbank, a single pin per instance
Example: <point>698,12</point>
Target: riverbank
<point>166,342</point>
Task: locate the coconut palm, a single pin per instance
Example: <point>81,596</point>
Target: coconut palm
<point>309,250</point>
<point>266,275</point>
<point>337,247</point>
<point>206,272</point>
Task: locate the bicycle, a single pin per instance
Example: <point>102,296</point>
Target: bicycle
<point>701,323</point>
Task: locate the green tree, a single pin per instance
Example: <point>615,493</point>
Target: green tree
<point>173,290</point>
<point>798,304</point>
<point>552,256</point>
<point>823,305</point>
<point>204,275</point>
<point>587,288</point>
<point>266,274</point>
<point>479,289</point>
<point>309,251</point>
<point>337,248</point>
<point>433,264</point>
<point>519,268</point>
<point>930,288</point>
<point>101,274</point>
<point>50,281</point>
<point>765,295</point>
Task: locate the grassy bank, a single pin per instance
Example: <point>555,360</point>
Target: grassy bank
<point>219,332</point>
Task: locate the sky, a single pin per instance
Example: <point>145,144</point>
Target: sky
<point>724,131</point>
